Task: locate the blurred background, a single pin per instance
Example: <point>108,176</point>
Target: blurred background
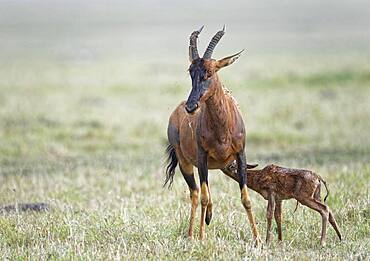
<point>112,64</point>
<point>86,89</point>
<point>79,30</point>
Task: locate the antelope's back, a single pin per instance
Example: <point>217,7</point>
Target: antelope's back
<point>287,179</point>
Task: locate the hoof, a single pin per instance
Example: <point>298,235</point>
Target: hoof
<point>257,242</point>
<point>208,218</point>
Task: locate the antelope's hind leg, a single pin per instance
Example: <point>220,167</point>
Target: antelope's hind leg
<point>241,166</point>
<point>187,173</point>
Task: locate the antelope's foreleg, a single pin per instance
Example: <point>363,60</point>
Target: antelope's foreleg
<point>194,191</point>
<point>269,214</point>
<point>204,197</point>
<point>241,162</point>
<point>209,207</point>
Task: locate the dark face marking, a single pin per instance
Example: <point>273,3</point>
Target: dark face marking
<point>200,84</point>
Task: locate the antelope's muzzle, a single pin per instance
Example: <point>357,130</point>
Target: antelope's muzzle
<point>191,107</point>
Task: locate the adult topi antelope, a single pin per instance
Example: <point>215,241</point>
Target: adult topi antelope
<point>207,131</point>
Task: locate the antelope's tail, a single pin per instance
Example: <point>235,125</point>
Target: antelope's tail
<point>296,207</point>
<point>171,162</point>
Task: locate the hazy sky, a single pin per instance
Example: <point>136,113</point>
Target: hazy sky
<point>58,28</point>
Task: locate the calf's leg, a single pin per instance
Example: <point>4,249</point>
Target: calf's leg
<point>324,212</point>
<point>277,214</point>
<point>331,216</point>
<point>334,224</point>
<point>269,214</point>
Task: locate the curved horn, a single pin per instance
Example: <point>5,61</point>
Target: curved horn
<point>193,49</point>
<point>213,43</point>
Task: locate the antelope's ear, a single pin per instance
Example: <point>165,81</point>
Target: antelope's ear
<point>228,60</point>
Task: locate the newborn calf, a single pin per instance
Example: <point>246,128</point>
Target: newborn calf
<point>276,184</point>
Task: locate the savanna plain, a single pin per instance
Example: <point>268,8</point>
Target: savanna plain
<point>88,135</point>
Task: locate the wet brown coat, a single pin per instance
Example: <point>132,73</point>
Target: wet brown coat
<point>276,184</point>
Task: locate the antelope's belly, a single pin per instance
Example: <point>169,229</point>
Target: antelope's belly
<point>220,157</point>
<point>217,164</point>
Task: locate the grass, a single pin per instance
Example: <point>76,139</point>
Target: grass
<point>89,140</point>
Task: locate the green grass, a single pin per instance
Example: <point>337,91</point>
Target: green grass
<point>90,142</point>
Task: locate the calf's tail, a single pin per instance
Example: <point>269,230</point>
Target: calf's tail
<point>326,187</point>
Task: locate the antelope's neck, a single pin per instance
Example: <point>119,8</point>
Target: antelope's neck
<point>219,113</point>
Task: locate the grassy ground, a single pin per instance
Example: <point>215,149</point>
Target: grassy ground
<point>89,140</point>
